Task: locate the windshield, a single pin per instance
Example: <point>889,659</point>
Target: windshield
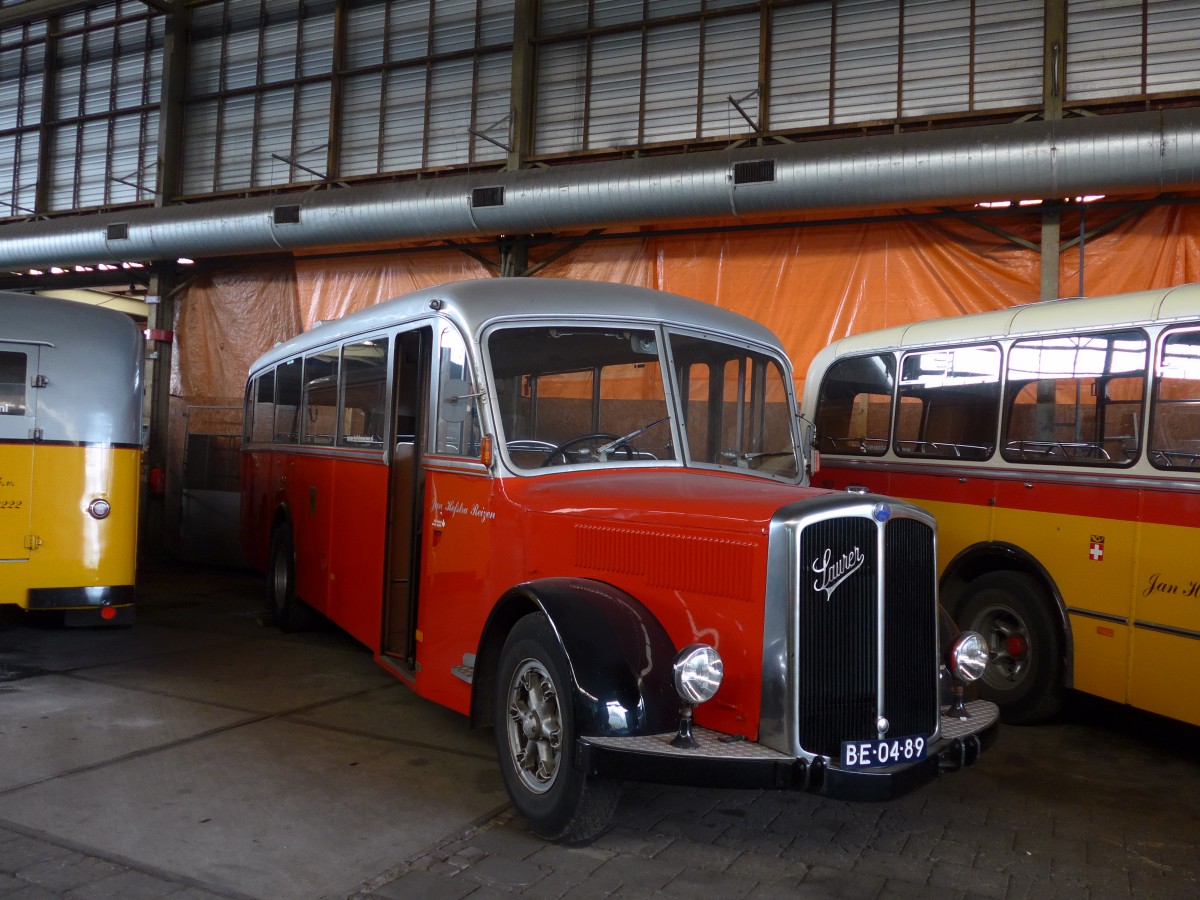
<point>600,396</point>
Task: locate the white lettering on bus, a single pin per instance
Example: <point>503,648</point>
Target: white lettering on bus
<point>454,507</point>
<point>832,572</point>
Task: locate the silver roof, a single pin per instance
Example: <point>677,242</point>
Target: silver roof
<point>1116,310</point>
<point>474,305</point>
<point>1135,309</point>
<point>92,360</point>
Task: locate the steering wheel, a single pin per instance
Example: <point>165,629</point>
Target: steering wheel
<point>596,440</point>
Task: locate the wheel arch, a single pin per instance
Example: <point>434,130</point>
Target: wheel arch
<point>282,517</point>
<point>999,556</point>
<point>619,655</point>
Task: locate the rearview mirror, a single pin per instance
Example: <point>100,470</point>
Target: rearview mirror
<point>457,400</point>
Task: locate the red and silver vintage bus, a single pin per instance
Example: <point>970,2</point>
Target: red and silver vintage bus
<point>1058,444</point>
<point>578,512</point>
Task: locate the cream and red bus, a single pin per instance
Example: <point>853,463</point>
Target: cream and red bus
<point>1058,446</point>
<point>578,512</point>
<point>70,458</point>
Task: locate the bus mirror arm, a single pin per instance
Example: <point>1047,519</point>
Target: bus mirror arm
<point>454,392</point>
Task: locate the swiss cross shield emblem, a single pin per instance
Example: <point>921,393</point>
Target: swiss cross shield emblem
<point>1096,549</point>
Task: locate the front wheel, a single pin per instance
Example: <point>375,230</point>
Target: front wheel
<point>535,739</point>
<point>1012,612</point>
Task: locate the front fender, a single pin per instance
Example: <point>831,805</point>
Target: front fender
<point>619,653</point>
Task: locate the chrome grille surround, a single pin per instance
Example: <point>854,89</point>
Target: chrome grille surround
<point>849,641</point>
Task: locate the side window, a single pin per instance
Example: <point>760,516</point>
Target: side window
<point>260,407</point>
<point>1076,399</point>
<point>364,390</point>
<point>13,379</point>
<point>854,407</point>
<point>949,403</point>
<point>1175,422</point>
<point>287,401</point>
<point>319,423</point>
<point>458,429</point>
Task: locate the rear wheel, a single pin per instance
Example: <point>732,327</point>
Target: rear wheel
<point>289,612</point>
<point>1012,612</point>
<point>535,739</point>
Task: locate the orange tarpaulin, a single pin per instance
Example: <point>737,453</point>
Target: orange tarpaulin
<point>225,321</point>
<point>1159,247</point>
<point>810,283</point>
<point>332,288</point>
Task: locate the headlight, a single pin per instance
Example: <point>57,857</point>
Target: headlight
<point>968,656</point>
<point>698,672</point>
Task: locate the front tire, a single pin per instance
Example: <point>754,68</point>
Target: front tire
<point>536,739</point>
<point>1012,612</point>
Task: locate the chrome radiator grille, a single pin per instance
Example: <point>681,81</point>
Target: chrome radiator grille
<point>841,670</point>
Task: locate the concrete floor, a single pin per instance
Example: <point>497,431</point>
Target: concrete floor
<point>200,754</point>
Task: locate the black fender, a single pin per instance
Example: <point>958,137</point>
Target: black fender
<point>619,654</point>
<point>992,556</point>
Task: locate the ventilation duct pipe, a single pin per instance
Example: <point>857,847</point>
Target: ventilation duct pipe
<point>1139,152</point>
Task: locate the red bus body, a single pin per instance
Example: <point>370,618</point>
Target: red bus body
<point>502,486</point>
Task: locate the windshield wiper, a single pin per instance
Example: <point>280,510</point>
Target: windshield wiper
<point>743,460</point>
<point>608,448</point>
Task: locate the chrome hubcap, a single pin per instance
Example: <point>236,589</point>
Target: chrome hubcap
<point>1008,643</point>
<point>534,726</point>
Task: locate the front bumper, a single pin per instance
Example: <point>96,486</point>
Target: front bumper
<point>722,761</point>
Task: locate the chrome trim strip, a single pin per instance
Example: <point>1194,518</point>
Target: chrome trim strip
<point>880,620</point>
<point>1167,629</point>
<point>984,470</point>
<point>1103,617</point>
<point>452,464</point>
<point>1137,623</point>
<point>355,454</point>
<point>778,688</point>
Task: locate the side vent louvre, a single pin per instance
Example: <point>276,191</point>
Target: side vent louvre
<point>117,231</point>
<point>287,215</point>
<point>487,196</point>
<point>754,171</point>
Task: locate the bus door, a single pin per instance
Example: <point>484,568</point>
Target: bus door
<point>410,392</point>
<point>19,377</point>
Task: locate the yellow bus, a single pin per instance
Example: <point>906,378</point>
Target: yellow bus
<point>70,458</point>
<point>1058,446</point>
